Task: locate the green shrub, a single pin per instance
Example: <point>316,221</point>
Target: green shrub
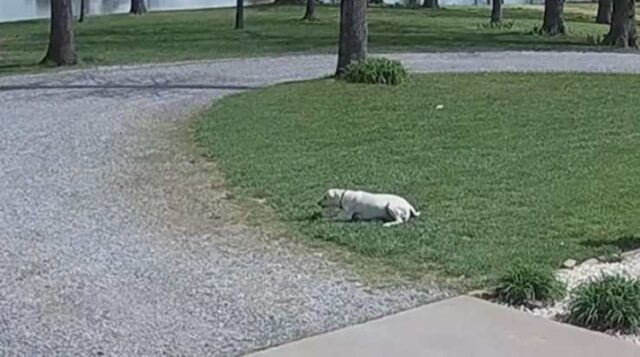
<point>612,303</point>
<point>376,71</point>
<point>528,284</point>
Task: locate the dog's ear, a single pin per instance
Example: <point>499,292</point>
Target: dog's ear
<point>333,193</point>
<point>327,194</point>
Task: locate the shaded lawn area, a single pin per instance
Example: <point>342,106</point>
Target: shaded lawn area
<point>270,30</point>
<point>533,168</point>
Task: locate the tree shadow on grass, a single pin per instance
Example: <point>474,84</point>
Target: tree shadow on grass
<point>623,243</point>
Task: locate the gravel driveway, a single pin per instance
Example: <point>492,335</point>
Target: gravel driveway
<point>117,239</point>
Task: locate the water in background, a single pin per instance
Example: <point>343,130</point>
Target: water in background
<point>12,10</point>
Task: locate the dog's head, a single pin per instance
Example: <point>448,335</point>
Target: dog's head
<point>332,198</point>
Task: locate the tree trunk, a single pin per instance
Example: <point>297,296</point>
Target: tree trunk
<point>553,23</point>
<point>138,7</point>
<point>83,9</point>
<point>496,12</point>
<point>412,4</point>
<point>622,32</point>
<point>61,51</point>
<point>605,7</point>
<point>239,14</point>
<point>431,4</point>
<point>353,34</point>
<point>310,13</point>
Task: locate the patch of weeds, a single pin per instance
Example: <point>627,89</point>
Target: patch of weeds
<point>503,25</point>
<point>594,40</point>
<point>536,30</point>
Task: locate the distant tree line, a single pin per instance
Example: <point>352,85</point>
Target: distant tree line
<point>353,36</point>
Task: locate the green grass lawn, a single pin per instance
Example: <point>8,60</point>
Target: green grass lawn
<point>188,35</point>
<point>532,168</point>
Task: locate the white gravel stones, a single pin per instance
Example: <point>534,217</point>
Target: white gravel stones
<point>569,263</point>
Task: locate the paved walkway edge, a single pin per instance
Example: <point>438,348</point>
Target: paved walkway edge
<point>461,326</point>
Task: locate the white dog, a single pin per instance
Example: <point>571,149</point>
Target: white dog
<point>360,205</point>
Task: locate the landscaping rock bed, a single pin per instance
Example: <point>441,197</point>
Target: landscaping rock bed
<point>590,270</point>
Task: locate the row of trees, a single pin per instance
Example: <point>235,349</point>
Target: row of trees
<point>553,23</point>
<point>353,26</point>
<point>620,14</point>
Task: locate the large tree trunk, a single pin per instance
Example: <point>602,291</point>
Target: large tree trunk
<point>622,32</point>
<point>83,10</point>
<point>431,4</point>
<point>239,14</point>
<point>605,7</point>
<point>137,7</point>
<point>353,33</point>
<point>61,50</point>
<point>496,12</point>
<point>553,23</point>
<point>310,13</point>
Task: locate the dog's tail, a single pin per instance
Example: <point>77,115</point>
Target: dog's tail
<point>414,212</point>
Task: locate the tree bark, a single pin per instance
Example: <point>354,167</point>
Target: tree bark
<point>310,13</point>
<point>605,7</point>
<point>239,14</point>
<point>496,12</point>
<point>83,9</point>
<point>553,23</point>
<point>61,50</point>
<point>353,34</point>
<point>431,4</point>
<point>137,7</point>
<point>622,32</point>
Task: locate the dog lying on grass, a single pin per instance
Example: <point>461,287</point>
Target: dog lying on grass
<point>360,205</point>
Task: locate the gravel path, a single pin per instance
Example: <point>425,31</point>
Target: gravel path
<point>118,240</point>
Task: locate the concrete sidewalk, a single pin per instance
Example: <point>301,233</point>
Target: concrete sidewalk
<point>458,327</point>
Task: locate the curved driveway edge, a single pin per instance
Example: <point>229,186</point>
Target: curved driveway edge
<point>116,239</point>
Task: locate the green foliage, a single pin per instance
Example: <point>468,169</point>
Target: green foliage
<point>524,283</point>
<point>376,71</point>
<point>270,30</point>
<point>611,303</point>
<point>512,169</point>
<point>594,40</point>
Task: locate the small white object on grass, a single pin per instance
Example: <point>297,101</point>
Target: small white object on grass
<point>439,107</point>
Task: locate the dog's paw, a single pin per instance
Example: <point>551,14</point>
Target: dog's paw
<point>391,224</point>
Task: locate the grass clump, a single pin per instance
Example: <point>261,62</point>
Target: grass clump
<point>525,284</point>
<point>376,71</point>
<point>611,303</point>
<point>502,25</point>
